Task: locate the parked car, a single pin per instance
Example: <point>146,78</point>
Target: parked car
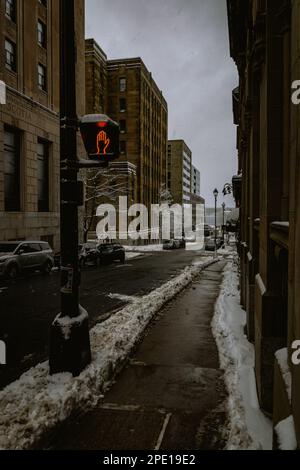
<point>107,253</point>
<point>23,256</point>
<point>87,253</point>
<point>169,245</point>
<point>174,244</point>
<point>210,244</point>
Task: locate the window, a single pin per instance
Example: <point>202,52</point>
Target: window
<point>122,84</point>
<point>12,170</point>
<point>49,242</point>
<point>10,55</point>
<point>123,146</point>
<point>122,125</point>
<point>10,9</point>
<point>34,248</point>
<point>42,34</point>
<point>122,105</point>
<point>43,176</point>
<point>42,81</point>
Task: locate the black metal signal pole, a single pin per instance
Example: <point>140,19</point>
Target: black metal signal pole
<point>69,342</point>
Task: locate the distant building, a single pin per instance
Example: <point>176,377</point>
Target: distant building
<point>179,171</point>
<point>29,121</point>
<point>196,181</point>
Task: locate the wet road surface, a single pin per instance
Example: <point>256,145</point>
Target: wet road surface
<point>29,305</point>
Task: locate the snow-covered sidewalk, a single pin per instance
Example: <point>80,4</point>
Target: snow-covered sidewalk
<point>249,427</point>
<point>37,402</point>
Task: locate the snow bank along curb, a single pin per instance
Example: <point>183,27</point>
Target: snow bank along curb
<point>36,402</point>
<point>249,428</point>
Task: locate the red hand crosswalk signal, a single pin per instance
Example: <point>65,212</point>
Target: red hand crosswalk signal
<point>100,135</point>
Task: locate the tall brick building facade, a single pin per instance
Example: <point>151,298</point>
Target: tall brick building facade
<point>264,42</point>
<point>29,121</point>
<point>135,101</point>
<point>180,171</point>
<point>125,90</point>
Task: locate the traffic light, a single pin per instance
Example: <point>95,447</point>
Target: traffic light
<point>100,135</point>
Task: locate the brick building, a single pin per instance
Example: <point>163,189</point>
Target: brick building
<point>179,173</point>
<point>29,121</point>
<point>135,101</point>
<point>126,91</point>
<point>264,42</point>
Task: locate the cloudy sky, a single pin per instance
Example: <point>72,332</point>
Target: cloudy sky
<point>184,43</point>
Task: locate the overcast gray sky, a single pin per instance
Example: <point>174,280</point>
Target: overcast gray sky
<point>184,43</point>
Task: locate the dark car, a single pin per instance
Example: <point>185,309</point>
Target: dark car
<point>87,253</point>
<point>174,244</point>
<point>210,244</point>
<point>25,256</point>
<point>107,253</point>
<point>170,245</point>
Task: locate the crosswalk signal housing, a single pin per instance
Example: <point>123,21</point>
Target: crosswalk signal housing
<point>100,136</point>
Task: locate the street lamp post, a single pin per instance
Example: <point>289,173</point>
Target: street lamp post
<point>69,339</point>
<point>223,229</point>
<point>216,193</point>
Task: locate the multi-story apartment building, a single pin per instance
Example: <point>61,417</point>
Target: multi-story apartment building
<point>137,104</point>
<point>95,78</point>
<point>126,91</point>
<point>179,171</point>
<point>264,42</point>
<point>29,121</point>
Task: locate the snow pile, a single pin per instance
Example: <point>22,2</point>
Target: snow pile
<point>249,428</point>
<point>282,358</point>
<point>131,255</point>
<point>143,248</point>
<point>65,324</point>
<point>37,402</point>
<point>286,435</point>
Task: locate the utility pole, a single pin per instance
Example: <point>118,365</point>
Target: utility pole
<point>216,193</point>
<point>69,342</point>
<point>223,229</point>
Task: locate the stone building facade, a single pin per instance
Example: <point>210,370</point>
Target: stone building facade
<point>264,42</point>
<point>29,121</point>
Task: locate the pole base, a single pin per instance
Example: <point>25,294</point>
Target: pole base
<point>70,344</point>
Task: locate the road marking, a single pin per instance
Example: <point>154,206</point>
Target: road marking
<point>115,407</point>
<point>137,363</point>
<point>163,431</point>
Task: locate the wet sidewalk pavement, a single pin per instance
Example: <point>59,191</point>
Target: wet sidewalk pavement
<point>171,395</point>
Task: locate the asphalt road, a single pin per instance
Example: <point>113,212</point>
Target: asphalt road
<point>29,305</point>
